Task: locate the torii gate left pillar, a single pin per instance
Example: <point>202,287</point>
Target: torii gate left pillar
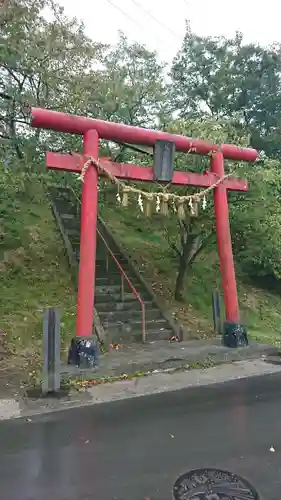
<point>88,237</point>
<point>82,347</point>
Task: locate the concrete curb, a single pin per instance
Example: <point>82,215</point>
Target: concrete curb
<point>9,408</point>
<point>157,383</point>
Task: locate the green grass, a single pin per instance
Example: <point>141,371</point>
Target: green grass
<point>145,241</point>
<point>34,275</point>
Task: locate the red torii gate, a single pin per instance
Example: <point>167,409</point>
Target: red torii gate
<point>93,130</point>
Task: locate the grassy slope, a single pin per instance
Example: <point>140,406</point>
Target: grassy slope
<point>34,274</point>
<point>144,239</point>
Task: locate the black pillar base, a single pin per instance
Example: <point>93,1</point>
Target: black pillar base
<point>234,335</point>
<point>83,352</point>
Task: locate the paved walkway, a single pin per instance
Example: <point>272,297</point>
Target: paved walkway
<point>163,355</point>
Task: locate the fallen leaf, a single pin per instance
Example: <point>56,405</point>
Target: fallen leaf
<point>172,436</point>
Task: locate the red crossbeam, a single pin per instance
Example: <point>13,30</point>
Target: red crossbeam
<point>128,171</point>
<point>62,122</point>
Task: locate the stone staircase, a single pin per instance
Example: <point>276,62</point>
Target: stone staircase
<point>116,304</point>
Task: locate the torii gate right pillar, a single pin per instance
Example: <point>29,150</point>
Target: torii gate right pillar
<point>234,333</point>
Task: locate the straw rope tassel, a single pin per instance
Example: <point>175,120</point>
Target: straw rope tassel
<point>125,197</point>
<point>164,204</point>
<point>148,204</point>
<point>181,210</point>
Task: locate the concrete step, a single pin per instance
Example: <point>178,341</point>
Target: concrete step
<point>114,271</point>
<point>112,279</point>
<point>115,297</point>
<point>154,334</point>
<point>134,325</point>
<point>101,261</point>
<point>75,241</point>
<point>60,192</point>
<point>109,276</point>
<point>129,314</point>
<point>68,216</point>
<point>116,288</point>
<point>64,210</point>
<point>72,232</point>
<point>75,244</point>
<point>113,275</point>
<point>132,304</point>
<point>128,337</point>
<point>111,265</point>
<point>64,204</point>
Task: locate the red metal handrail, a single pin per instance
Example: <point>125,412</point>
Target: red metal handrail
<point>124,275</point>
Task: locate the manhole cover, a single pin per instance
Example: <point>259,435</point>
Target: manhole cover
<point>213,484</point>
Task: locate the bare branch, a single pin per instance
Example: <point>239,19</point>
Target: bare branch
<point>171,243</point>
<point>175,248</point>
<point>4,136</point>
<point>5,96</point>
<point>11,73</point>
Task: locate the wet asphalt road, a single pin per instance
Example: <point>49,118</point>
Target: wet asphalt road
<point>136,449</point>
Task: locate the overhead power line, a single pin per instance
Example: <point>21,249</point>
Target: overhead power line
<point>148,13</point>
<point>133,20</point>
<point>125,13</point>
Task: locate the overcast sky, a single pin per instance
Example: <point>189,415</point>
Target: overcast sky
<point>161,26</point>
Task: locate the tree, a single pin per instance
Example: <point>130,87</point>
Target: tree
<point>131,88</point>
<point>53,64</point>
<point>223,77</point>
<point>40,64</point>
<point>256,222</point>
<point>128,87</point>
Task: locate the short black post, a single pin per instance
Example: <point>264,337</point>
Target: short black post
<point>51,350</point>
<point>216,312</point>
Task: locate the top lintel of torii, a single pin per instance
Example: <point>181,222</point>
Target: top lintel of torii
<point>66,123</point>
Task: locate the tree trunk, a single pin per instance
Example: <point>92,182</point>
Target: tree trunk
<point>13,132</point>
<point>193,245</point>
<point>180,278</point>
